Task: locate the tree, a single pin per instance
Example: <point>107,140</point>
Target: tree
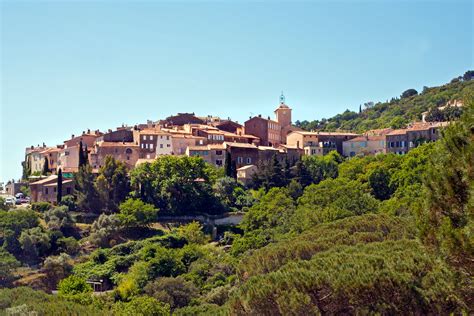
<point>468,75</point>
<point>446,223</point>
<point>112,183</point>
<point>83,159</point>
<point>136,213</point>
<point>224,191</point>
<point>177,185</point>
<point>56,269</point>
<point>86,193</point>
<point>379,181</point>
<point>26,168</point>
<point>435,115</point>
<point>7,263</point>
<point>193,233</point>
<point>408,93</point>
<point>46,169</point>
<point>228,165</point>
<point>104,229</point>
<point>35,242</point>
<point>60,219</point>
<point>60,187</point>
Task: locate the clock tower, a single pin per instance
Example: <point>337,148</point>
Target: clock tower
<point>283,113</point>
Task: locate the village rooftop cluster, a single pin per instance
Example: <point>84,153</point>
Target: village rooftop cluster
<point>214,140</point>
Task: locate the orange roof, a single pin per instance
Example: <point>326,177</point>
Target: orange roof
<point>367,138</point>
<point>397,132</point>
<point>116,144</point>
<point>325,133</point>
<point>240,145</point>
<point>150,131</point>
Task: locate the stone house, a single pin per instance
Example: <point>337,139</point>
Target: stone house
<point>45,190</point>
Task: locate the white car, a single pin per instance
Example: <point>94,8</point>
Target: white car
<point>10,201</point>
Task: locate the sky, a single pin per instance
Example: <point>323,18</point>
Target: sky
<point>67,66</point>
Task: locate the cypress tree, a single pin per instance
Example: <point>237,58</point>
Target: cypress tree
<point>60,186</point>
<point>228,165</point>
<point>360,108</point>
<point>81,155</point>
<point>85,154</point>
<point>46,166</point>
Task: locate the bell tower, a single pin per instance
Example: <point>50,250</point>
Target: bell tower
<point>283,113</point>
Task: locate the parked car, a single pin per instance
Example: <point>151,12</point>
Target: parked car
<point>10,201</point>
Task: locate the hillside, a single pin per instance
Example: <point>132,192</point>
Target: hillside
<point>396,113</point>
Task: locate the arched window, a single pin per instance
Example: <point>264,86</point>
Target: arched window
<point>128,151</point>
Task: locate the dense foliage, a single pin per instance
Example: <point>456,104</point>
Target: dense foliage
<point>384,234</point>
<point>397,112</point>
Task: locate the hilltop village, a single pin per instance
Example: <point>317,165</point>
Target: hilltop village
<point>214,140</point>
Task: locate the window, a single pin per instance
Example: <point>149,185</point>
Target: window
<point>144,137</point>
<point>151,137</point>
<point>218,152</point>
<point>168,145</point>
<point>128,151</point>
<point>151,146</point>
<point>240,159</point>
<point>249,160</point>
<point>167,138</point>
<point>128,157</point>
<point>218,162</point>
<point>45,190</point>
<point>148,156</point>
<point>54,190</point>
<point>161,145</point>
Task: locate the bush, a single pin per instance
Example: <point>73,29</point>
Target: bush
<point>176,292</point>
<point>68,245</point>
<point>141,306</point>
<point>73,285</point>
<point>70,202</point>
<point>41,206</point>
<point>136,213</point>
<point>59,218</point>
<point>56,269</point>
<point>104,229</point>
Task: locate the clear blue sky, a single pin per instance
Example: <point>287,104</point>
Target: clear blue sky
<point>71,65</point>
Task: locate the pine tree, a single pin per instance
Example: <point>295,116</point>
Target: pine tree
<point>446,223</point>
<point>60,186</point>
<point>46,166</point>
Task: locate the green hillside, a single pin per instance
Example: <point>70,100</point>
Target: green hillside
<point>397,112</point>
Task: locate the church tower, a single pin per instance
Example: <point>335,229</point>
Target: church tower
<point>283,113</point>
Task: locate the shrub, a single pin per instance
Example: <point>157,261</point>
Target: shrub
<point>73,285</point>
<point>70,202</point>
<point>104,229</point>
<point>41,206</point>
<point>176,292</point>
<point>57,268</point>
<point>141,306</point>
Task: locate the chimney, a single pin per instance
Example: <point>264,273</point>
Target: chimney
<point>44,145</point>
<point>83,132</point>
<point>88,131</point>
<point>260,115</point>
<point>72,136</point>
